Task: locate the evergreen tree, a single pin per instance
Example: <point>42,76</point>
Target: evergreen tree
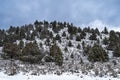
<point>78,46</point>
<point>97,31</point>
<point>36,23</point>
<point>116,52</point>
<point>105,31</point>
<point>86,50</point>
<point>105,41</point>
<point>50,34</point>
<point>31,53</point>
<point>78,38</point>
<point>66,49</point>
<point>11,51</point>
<point>93,36</point>
<point>83,34</point>
<point>113,41</point>
<point>72,56</point>
<point>79,30</point>
<point>47,42</point>
<point>83,44</point>
<point>72,30</point>
<point>56,53</point>
<point>97,53</point>
<point>70,44</point>
<point>64,34</point>
<point>57,37</point>
<point>21,44</point>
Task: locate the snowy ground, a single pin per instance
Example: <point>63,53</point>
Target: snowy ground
<point>53,77</point>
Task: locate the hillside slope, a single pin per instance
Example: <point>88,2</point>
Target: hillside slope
<point>56,48</point>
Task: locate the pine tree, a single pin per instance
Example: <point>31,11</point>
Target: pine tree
<point>31,53</point>
<point>116,52</point>
<point>113,41</point>
<point>66,49</point>
<point>105,31</point>
<point>56,53</point>
<point>79,30</point>
<point>64,34</point>
<point>72,56</point>
<point>93,36</point>
<point>57,37</point>
<point>97,53</point>
<point>83,34</point>
<point>78,46</point>
<point>36,23</point>
<point>97,31</point>
<point>105,41</point>
<point>21,44</point>
<point>70,44</point>
<point>11,51</point>
<point>78,38</point>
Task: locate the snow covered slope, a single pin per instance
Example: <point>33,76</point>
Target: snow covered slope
<point>54,77</point>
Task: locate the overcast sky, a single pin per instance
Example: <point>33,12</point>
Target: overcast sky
<point>20,12</point>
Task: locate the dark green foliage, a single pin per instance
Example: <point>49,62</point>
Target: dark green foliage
<point>21,34</point>
<point>113,36</point>
<point>98,41</point>
<point>36,23</point>
<point>64,34</point>
<point>47,42</point>
<point>48,59</point>
<point>83,44</point>
<point>50,34</point>
<point>21,44</point>
<point>31,59</point>
<point>33,35</point>
<point>97,53</point>
<point>56,54</point>
<point>83,34</point>
<point>72,30</point>
<point>31,53</point>
<point>86,50</point>
<point>86,29</point>
<point>113,40</point>
<point>79,30</point>
<point>1,43</point>
<point>116,52</point>
<point>41,45</point>
<point>56,28</point>
<point>11,51</point>
<point>31,49</point>
<point>105,31</point>
<point>70,44</point>
<point>10,38</point>
<point>11,30</point>
<point>46,23</point>
<point>45,33</point>
<point>105,41</point>
<point>57,37</point>
<point>78,46</point>
<point>93,36</point>
<point>72,56</point>
<point>71,37</point>
<point>64,24</point>
<point>66,49</point>
<point>78,38</point>
<point>97,31</point>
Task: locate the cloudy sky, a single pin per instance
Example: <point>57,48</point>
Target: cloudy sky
<point>20,12</point>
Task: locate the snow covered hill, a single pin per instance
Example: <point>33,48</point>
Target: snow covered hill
<point>59,51</point>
